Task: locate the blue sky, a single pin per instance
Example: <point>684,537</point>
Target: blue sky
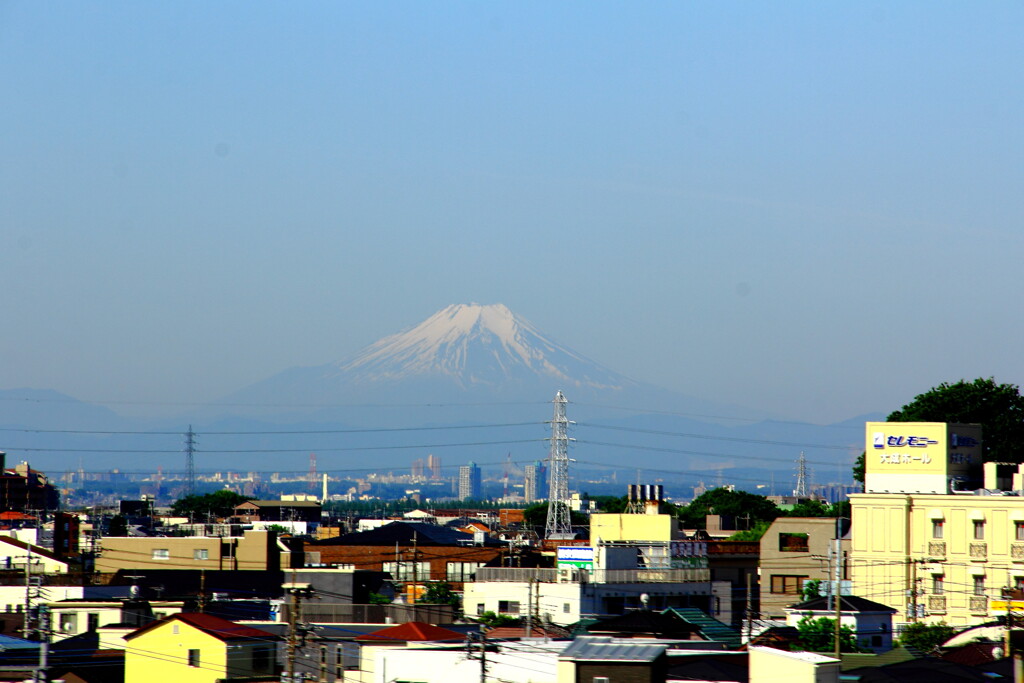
<point>803,208</point>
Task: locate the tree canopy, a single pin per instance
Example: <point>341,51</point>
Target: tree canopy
<point>218,504</point>
<point>998,408</point>
<point>740,505</point>
<point>925,638</point>
<point>818,635</point>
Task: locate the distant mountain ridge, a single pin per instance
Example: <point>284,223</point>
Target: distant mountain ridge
<point>466,354</point>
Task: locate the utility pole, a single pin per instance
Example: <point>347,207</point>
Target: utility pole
<point>838,593</point>
<point>415,557</point>
<point>41,674</point>
<point>529,610</point>
<point>296,632</point>
<point>750,608</point>
<point>28,592</point>
<point>482,656</point>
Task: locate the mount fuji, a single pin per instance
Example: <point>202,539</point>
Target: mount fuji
<point>465,354</point>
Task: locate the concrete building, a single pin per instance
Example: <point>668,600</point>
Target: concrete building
<point>937,535</point>
<point>253,551</point>
<point>795,550</point>
<point>469,482</point>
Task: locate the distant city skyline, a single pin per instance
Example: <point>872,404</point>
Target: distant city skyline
<point>806,210</point>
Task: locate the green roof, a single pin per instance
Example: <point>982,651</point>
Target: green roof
<point>712,628</point>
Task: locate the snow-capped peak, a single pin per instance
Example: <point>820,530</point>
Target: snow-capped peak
<point>473,344</point>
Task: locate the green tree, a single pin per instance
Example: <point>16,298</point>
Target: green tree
<point>812,591</point>
<point>998,408</point>
<point>751,535</point>
<point>818,635</point>
<point>218,504</point>
<point>536,515</point>
<point>379,599</point>
<point>925,638</point>
<point>817,508</point>
<point>721,501</point>
<point>441,593</point>
<point>491,619</point>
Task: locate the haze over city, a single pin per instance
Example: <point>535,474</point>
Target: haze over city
<point>807,211</point>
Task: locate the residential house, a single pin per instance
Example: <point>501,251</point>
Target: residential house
<point>870,622</point>
<point>410,552</point>
<point>198,648</point>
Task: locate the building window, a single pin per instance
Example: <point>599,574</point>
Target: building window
<point>979,529</point>
<point>508,607</point>
<point>937,526</point>
<point>938,584</point>
<point>200,554</point>
<point>788,585</point>
<point>92,621</point>
<point>461,572</point>
<point>408,571</point>
<point>566,607</point>
<point>193,658</point>
<point>792,543</point>
<point>161,554</point>
<point>979,585</point>
<point>1018,528</point>
<point>175,630</point>
<point>480,608</point>
<point>1018,583</point>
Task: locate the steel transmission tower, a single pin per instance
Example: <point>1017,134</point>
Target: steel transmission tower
<point>559,526</point>
<point>190,462</point>
<point>801,477</point>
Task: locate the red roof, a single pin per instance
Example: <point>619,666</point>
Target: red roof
<point>13,514</point>
<point>209,624</point>
<point>412,631</point>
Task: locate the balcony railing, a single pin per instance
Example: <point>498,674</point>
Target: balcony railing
<point>978,551</point>
<point>937,548</point>
<point>936,603</point>
<point>517,575</point>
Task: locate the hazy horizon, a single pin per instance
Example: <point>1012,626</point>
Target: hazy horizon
<point>812,211</point>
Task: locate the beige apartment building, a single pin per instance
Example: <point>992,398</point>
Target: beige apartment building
<point>253,551</point>
<point>795,550</point>
<point>938,535</point>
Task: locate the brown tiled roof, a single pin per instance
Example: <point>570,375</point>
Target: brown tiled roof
<point>412,631</point>
<point>211,625</point>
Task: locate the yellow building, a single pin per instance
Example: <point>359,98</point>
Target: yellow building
<point>197,648</point>
<point>615,528</point>
<point>937,535</point>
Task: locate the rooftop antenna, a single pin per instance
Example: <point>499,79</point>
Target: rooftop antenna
<point>558,524</point>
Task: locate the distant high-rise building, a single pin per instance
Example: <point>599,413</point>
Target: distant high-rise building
<point>417,468</point>
<point>534,481</point>
<point>434,466</point>
<point>469,481</point>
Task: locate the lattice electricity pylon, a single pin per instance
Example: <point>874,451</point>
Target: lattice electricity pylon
<point>559,525</point>
<point>801,477</point>
<point>190,462</point>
